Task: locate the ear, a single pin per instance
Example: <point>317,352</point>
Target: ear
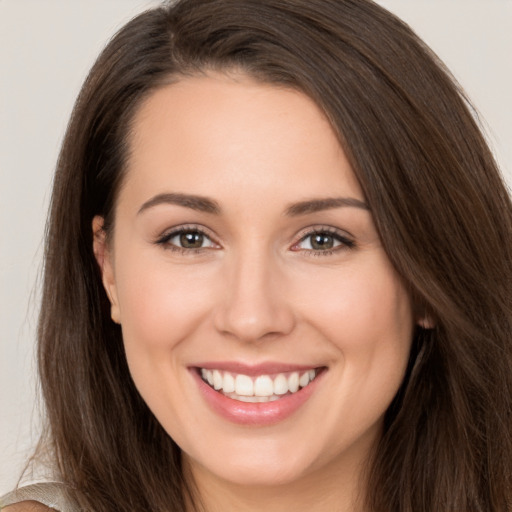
<point>103,256</point>
<point>426,321</point>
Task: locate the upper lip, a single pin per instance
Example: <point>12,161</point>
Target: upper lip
<point>264,368</point>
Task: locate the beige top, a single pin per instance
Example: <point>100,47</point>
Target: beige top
<point>52,495</point>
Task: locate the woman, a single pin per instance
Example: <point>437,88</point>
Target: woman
<point>278,272</point>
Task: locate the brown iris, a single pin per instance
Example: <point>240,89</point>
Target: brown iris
<point>322,241</point>
<point>191,240</point>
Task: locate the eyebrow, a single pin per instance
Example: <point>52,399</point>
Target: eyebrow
<point>207,205</point>
<point>317,205</point>
<point>199,203</point>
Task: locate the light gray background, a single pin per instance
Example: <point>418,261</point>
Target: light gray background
<point>46,49</point>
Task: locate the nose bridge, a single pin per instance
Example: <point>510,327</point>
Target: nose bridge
<point>254,304</point>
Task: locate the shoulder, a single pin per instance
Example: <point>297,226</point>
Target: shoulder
<point>27,506</point>
<point>42,497</point>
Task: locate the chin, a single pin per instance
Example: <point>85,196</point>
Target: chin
<point>256,466</point>
<point>259,475</point>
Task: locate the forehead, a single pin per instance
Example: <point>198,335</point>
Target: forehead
<point>222,132</point>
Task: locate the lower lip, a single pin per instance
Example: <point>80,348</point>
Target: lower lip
<point>255,414</point>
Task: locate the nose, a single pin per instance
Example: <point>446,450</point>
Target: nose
<point>254,306</point>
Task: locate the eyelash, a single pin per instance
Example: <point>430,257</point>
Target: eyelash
<point>344,241</point>
<point>167,237</point>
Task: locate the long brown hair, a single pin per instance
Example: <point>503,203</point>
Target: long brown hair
<point>439,203</point>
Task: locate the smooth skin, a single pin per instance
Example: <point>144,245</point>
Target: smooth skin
<point>249,277</point>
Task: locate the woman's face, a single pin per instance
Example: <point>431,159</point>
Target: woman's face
<point>244,253</point>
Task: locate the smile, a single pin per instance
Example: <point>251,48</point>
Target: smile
<point>260,388</point>
<point>259,394</point>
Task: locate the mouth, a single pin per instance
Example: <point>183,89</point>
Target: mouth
<point>257,388</point>
<point>256,395</point>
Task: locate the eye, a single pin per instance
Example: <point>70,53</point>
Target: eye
<point>190,240</point>
<point>323,241</point>
<point>184,239</point>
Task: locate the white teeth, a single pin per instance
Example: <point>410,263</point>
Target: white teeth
<point>252,399</point>
<point>293,382</point>
<point>217,379</point>
<point>263,386</point>
<point>244,385</point>
<point>229,383</point>
<point>260,389</point>
<point>280,385</point>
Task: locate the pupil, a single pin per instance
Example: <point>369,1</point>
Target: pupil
<point>322,241</point>
<point>191,240</point>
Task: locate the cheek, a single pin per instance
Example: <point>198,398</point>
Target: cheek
<point>160,303</point>
<point>360,308</point>
<point>366,316</point>
<point>161,306</point>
